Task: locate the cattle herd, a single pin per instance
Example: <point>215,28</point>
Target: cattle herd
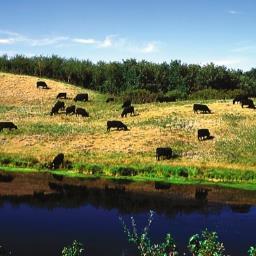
<point>161,152</point>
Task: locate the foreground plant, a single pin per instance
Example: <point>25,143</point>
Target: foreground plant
<point>143,242</point>
<point>76,249</point>
<point>252,251</point>
<point>206,244</point>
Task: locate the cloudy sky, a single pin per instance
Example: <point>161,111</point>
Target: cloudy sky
<point>193,31</point>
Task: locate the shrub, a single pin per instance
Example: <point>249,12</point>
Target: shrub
<point>124,171</point>
<point>143,242</point>
<point>252,251</point>
<point>139,95</point>
<point>177,94</point>
<point>206,244</point>
<point>76,249</point>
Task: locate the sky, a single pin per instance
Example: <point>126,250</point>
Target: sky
<point>193,31</point>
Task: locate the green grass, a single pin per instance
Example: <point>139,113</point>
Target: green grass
<point>229,157</point>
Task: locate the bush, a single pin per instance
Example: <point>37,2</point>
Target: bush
<point>124,171</point>
<point>139,96</point>
<point>76,249</point>
<point>252,251</point>
<point>206,244</point>
<point>177,94</point>
<point>143,242</point>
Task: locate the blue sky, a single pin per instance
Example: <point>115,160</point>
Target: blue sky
<point>193,31</point>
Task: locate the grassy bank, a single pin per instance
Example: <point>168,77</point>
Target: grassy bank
<point>168,174</point>
<point>228,158</point>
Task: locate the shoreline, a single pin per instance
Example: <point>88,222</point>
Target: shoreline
<point>172,180</point>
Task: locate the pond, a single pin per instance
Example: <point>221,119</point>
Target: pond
<point>41,213</point>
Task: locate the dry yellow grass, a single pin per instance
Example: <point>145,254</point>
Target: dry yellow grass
<point>85,140</point>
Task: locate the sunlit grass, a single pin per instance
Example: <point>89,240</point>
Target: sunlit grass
<point>85,141</point>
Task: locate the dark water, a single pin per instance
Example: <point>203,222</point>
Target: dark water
<point>43,225</point>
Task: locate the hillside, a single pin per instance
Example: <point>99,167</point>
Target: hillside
<point>85,140</point>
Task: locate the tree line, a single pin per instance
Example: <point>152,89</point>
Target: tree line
<point>175,78</point>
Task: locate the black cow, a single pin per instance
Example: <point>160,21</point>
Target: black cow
<point>201,108</point>
<point>58,105</point>
<point>55,110</point>
<point>165,99</point>
<point>71,110</point>
<point>81,97</point>
<point>239,98</point>
<point>82,112</point>
<point>165,153</point>
<point>7,125</point>
<point>57,161</point>
<point>61,95</point>
<point>41,84</point>
<point>247,102</point>
<point>116,124</point>
<point>203,134</point>
<point>127,110</point>
<point>127,103</point>
<point>109,99</point>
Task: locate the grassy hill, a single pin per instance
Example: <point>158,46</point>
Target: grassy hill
<point>85,140</point>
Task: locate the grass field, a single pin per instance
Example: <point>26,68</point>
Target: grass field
<point>85,141</point>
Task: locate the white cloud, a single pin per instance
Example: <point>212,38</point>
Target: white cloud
<point>150,47</point>
<point>115,42</point>
<point>233,12</point>
<point>6,41</point>
<point>244,49</point>
<point>107,42</point>
<point>227,62</point>
<point>84,41</point>
<point>46,41</point>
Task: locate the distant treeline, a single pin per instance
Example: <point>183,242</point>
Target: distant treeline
<point>175,78</point>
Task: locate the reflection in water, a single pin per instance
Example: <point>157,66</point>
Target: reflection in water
<point>44,222</point>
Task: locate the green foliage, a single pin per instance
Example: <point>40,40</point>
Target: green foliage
<point>143,243</point>
<point>123,171</point>
<point>18,161</point>
<point>206,244</point>
<point>139,95</point>
<point>177,94</point>
<point>252,251</point>
<point>139,78</point>
<point>76,249</point>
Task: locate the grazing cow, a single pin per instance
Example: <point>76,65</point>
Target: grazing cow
<point>247,102</point>
<point>41,84</point>
<point>239,98</point>
<point>55,110</point>
<point>57,161</point>
<point>7,125</point>
<point>116,124</point>
<point>127,110</point>
<point>82,112</point>
<point>71,110</point>
<point>81,97</point>
<point>165,153</point>
<point>61,95</point>
<point>165,99</point>
<point>109,99</point>
<point>127,103</point>
<point>201,108</point>
<point>58,105</point>
<point>203,134</point>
